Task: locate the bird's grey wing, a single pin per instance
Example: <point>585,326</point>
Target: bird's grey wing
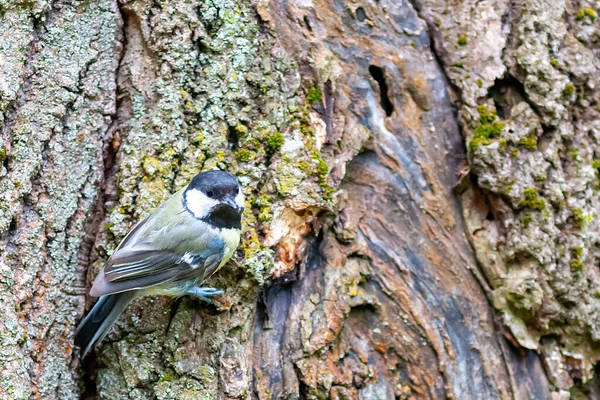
<point>129,269</point>
<point>128,263</point>
<point>102,286</point>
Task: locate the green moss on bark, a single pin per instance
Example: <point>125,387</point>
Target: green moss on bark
<point>489,128</point>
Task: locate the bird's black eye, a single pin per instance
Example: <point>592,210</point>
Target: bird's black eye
<point>210,193</point>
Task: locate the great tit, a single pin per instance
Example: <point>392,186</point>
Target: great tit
<point>171,252</point>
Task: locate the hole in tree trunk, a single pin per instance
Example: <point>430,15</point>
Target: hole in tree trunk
<point>377,74</point>
<point>360,14</point>
<point>232,138</point>
<point>307,23</point>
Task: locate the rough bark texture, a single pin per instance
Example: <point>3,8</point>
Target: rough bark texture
<point>421,181</point>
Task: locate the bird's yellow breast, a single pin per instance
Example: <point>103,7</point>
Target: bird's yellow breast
<point>232,240</point>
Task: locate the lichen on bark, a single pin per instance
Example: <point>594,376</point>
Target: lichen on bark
<point>57,105</point>
<point>537,246</point>
<point>354,278</point>
<point>202,87</point>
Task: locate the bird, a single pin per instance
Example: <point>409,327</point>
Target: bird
<point>171,252</point>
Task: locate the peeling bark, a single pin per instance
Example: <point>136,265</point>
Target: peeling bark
<point>421,181</point>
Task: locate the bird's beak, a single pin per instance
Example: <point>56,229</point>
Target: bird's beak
<point>230,201</point>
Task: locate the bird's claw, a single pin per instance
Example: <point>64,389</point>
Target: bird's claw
<point>204,293</point>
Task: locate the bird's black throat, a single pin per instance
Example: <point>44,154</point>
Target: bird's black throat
<point>223,216</point>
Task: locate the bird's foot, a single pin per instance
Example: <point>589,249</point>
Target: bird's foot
<point>204,293</point>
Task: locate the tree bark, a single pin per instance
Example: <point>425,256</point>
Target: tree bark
<point>421,183</point>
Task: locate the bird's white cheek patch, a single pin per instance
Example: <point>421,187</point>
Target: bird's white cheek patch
<point>198,203</point>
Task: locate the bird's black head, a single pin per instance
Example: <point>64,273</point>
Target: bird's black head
<point>216,198</point>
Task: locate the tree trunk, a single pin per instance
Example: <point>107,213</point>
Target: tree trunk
<point>421,182</point>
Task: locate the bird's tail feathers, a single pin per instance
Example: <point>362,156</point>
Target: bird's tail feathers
<point>101,318</point>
